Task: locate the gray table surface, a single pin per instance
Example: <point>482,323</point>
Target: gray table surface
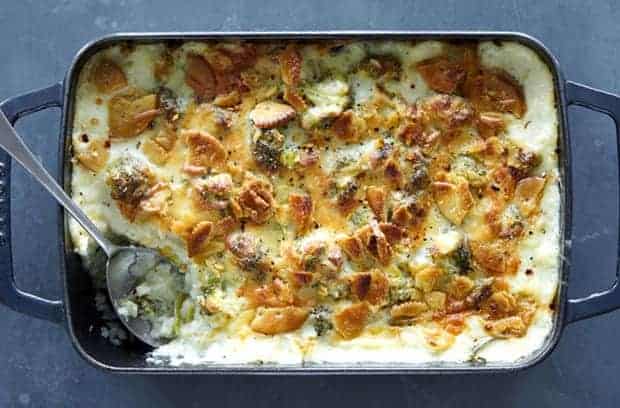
<point>39,366</point>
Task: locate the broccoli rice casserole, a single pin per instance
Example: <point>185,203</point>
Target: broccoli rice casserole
<point>326,201</point>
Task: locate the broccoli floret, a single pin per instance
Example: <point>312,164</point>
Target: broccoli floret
<point>462,259</point>
<point>213,282</point>
<point>458,261</point>
<point>129,180</point>
<point>320,317</point>
<point>250,255</point>
<point>360,216</point>
<point>267,149</point>
<point>402,290</point>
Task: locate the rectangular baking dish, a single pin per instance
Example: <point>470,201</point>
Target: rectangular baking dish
<point>76,310</point>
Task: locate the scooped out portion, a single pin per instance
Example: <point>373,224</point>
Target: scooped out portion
<point>147,291</point>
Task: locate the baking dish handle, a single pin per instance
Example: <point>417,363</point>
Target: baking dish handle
<point>14,108</point>
<point>609,104</point>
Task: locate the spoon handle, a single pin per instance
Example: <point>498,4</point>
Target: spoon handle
<point>15,146</point>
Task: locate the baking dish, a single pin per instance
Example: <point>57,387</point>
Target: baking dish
<point>77,309</point>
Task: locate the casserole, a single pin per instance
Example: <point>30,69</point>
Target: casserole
<point>365,210</point>
<point>79,297</point>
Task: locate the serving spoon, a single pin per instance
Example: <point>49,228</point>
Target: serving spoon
<point>125,265</point>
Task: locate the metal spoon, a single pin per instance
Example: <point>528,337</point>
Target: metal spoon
<point>121,274</point>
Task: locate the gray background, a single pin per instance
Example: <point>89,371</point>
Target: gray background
<point>39,366</point>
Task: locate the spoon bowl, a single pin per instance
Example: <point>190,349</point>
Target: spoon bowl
<point>125,271</point>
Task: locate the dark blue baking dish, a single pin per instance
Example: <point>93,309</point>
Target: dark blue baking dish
<point>77,309</point>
